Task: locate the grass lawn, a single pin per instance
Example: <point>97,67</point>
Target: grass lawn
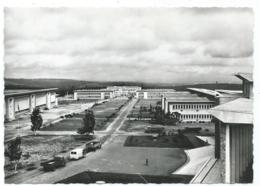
<point>101,112</point>
<point>72,124</point>
<point>175,141</point>
<point>134,126</point>
<point>143,103</point>
<point>207,129</point>
<point>64,125</point>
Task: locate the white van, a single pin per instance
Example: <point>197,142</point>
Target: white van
<point>76,154</point>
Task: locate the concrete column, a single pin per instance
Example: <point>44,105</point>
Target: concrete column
<point>10,113</point>
<point>145,95</point>
<point>56,102</point>
<point>48,100</point>
<point>32,102</point>
<point>162,100</point>
<point>102,96</point>
<point>227,156</point>
<point>137,94</point>
<point>251,93</point>
<point>166,106</point>
<point>75,96</point>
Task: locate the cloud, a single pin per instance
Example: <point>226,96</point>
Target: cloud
<point>150,44</point>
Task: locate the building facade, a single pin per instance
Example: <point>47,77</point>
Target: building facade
<point>19,101</point>
<point>124,90</point>
<point>93,94</point>
<point>189,108</point>
<point>154,93</point>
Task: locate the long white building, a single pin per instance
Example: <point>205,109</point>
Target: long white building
<point>154,93</point>
<point>188,107</point>
<point>123,90</point>
<point>19,101</point>
<point>93,94</point>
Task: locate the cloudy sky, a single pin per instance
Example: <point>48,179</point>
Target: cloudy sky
<point>175,45</point>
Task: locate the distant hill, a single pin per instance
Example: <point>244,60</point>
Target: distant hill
<point>68,85</point>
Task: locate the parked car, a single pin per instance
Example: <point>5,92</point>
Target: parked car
<point>93,145</point>
<point>76,154</point>
<point>151,129</point>
<point>56,162</point>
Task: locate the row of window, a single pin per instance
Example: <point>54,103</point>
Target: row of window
<point>90,96</point>
<point>191,106</point>
<point>88,93</point>
<point>195,116</point>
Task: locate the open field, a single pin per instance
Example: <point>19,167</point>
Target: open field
<point>207,129</point>
<point>146,104</point>
<point>69,124</point>
<point>72,124</point>
<point>104,114</point>
<point>175,141</point>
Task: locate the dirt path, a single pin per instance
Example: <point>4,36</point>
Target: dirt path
<point>38,176</point>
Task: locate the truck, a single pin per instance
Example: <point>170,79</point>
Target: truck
<point>93,145</point>
<point>77,154</point>
<point>56,162</point>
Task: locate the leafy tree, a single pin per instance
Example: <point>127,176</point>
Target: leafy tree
<point>88,123</point>
<point>158,114</point>
<point>166,119</point>
<point>13,151</point>
<point>36,120</point>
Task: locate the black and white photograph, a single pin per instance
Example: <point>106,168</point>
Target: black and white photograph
<point>148,95</point>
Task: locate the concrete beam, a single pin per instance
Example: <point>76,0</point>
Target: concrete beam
<point>32,102</point>
<point>75,95</point>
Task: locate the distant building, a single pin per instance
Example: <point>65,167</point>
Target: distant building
<point>20,101</point>
<point>124,90</point>
<point>188,107</point>
<point>154,93</point>
<point>93,94</point>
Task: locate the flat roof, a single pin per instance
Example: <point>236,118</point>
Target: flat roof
<point>205,91</point>
<point>18,92</point>
<point>229,91</point>
<point>239,111</point>
<point>190,100</point>
<point>245,76</point>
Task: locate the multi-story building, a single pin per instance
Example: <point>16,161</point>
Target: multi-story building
<point>188,107</point>
<point>154,93</point>
<point>20,101</point>
<point>93,94</point>
<point>124,90</point>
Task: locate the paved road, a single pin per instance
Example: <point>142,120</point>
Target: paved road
<point>38,176</point>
